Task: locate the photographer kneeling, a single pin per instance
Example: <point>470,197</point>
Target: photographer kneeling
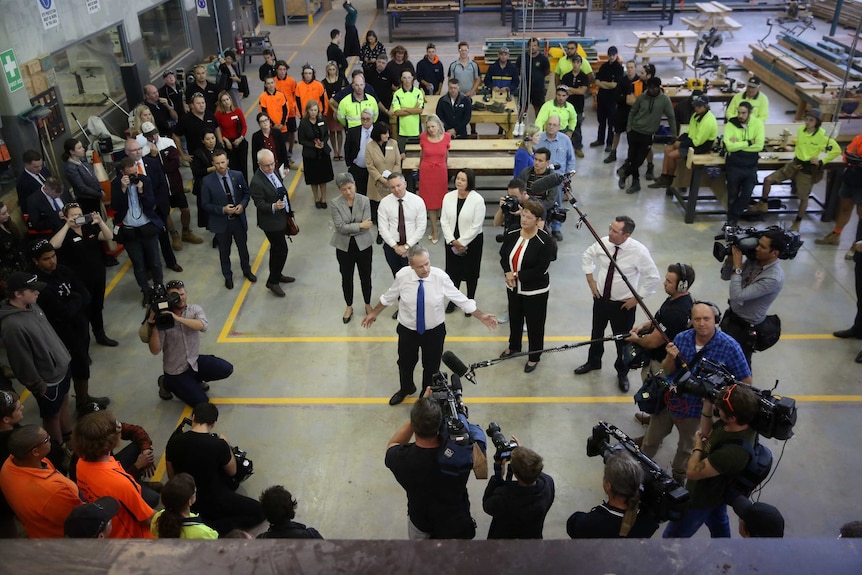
<point>186,371</point>
<point>619,516</point>
<point>438,506</point>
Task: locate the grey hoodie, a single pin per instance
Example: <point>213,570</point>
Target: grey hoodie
<point>36,354</point>
<point>647,111</point>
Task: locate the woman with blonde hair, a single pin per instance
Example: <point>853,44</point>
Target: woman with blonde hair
<point>433,172</point>
<point>333,83</point>
<point>382,157</point>
<point>141,114</point>
<point>231,120</point>
<point>317,165</point>
<point>524,155</point>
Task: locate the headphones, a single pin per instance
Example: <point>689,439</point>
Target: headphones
<point>716,312</point>
<point>683,283</point>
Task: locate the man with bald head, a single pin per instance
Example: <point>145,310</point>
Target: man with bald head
<point>163,110</point>
<point>270,199</point>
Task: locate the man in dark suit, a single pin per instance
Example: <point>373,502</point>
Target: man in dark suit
<point>44,206</point>
<point>151,166</point>
<point>135,214</point>
<point>358,137</point>
<point>224,197</point>
<point>32,178</point>
<point>272,204</point>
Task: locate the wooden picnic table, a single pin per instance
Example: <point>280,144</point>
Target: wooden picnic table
<point>712,15</point>
<point>669,44</point>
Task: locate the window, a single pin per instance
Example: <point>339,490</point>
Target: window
<point>164,34</point>
<point>89,70</point>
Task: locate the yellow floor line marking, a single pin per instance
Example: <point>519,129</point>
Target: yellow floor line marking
<point>118,277</point>
<point>284,401</point>
<point>250,338</point>
<point>161,467</point>
<point>315,27</point>
<point>246,285</point>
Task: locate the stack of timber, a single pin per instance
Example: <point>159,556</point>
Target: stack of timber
<point>781,69</point>
<point>851,11</point>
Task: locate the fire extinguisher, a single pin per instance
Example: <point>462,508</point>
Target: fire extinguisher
<point>240,46</point>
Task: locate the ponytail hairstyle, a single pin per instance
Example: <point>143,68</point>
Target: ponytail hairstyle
<point>176,495</point>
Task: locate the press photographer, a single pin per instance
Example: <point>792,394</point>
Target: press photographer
<point>754,285</point>
<point>210,459</point>
<point>509,213</point>
<point>517,498</point>
<point>175,332</point>
<point>438,506</point>
<point>719,455</point>
<point>620,515</point>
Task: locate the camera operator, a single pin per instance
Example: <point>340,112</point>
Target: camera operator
<point>518,507</point>
<point>753,288</point>
<point>208,458</point>
<point>684,411</point>
<point>673,316</point>
<point>505,216</point>
<point>438,506</point>
<point>716,459</point>
<point>186,371</point>
<point>619,516</point>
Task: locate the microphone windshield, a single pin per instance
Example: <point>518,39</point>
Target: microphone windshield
<point>454,363</point>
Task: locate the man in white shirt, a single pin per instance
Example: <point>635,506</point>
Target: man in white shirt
<point>613,301</point>
<point>421,291</point>
<point>401,220</point>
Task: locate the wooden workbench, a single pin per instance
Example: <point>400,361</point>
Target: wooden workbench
<point>477,146</point>
<point>809,95</point>
<point>505,120</point>
<point>546,17</point>
<point>424,12</point>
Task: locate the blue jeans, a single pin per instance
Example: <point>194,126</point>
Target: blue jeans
<point>144,254</point>
<point>715,519</point>
<point>187,385</point>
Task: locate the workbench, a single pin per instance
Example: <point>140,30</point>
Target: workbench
<point>424,12</point>
<point>547,17</point>
<point>505,120</point>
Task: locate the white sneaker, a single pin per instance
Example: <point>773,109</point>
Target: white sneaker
<point>503,317</point>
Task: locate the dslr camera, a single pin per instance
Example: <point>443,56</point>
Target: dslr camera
<point>510,204</point>
<point>85,219</point>
<point>662,497</point>
<point>503,446</point>
<point>161,301</point>
<point>556,213</point>
<point>746,240</point>
<point>134,180</point>
<point>244,465</point>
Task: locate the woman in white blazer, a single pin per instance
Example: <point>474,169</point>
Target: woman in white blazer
<point>351,219</point>
<point>461,220</point>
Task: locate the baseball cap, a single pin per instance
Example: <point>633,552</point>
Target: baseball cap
<point>167,73</point>
<point>761,519</point>
<point>19,281</point>
<point>563,88</point>
<point>700,101</point>
<point>148,128</point>
<point>753,82</point>
<point>504,49</point>
<point>814,113</point>
<point>88,520</point>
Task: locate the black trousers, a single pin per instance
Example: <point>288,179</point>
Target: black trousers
<point>361,177</point>
<point>167,250</point>
<point>857,323</point>
<point>238,158</point>
<point>277,255</point>
<point>409,344</point>
<point>96,286</point>
<point>622,320</point>
<point>606,113</point>
<point>347,261</point>
<point>741,331</point>
<point>639,147</point>
<point>235,233</point>
<point>229,511</point>
<point>534,310</point>
<point>395,261</point>
<point>740,185</point>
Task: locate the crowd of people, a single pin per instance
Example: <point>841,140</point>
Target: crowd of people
<point>64,477</point>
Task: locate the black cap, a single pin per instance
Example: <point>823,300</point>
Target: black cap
<point>761,519</point>
<point>20,281</point>
<point>167,73</point>
<point>701,100</point>
<point>88,520</point>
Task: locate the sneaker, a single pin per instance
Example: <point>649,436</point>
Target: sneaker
<point>189,237</point>
<point>612,157</point>
<point>176,242</point>
<point>650,174</point>
<point>503,317</point>
<point>830,239</point>
<point>634,188</point>
<point>579,153</point>
<point>597,143</point>
<point>794,227</point>
<point>760,207</point>
<point>850,253</point>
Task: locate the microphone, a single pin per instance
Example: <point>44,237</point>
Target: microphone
<point>454,363</point>
<point>546,183</point>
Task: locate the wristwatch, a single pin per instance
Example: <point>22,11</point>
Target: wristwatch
<point>738,271</point>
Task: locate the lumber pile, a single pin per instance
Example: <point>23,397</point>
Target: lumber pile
<point>851,11</point>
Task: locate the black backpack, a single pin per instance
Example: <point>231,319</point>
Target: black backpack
<point>755,472</point>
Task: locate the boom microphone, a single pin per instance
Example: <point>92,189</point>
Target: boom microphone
<point>546,183</point>
<point>454,363</point>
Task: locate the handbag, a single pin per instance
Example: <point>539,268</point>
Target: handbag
<point>291,229</point>
<point>767,333</point>
<point>650,397</point>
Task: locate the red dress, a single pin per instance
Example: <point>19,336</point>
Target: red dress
<point>433,173</point>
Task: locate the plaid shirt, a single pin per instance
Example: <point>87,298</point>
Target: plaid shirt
<point>720,349</point>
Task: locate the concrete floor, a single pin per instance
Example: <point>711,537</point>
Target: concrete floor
<point>308,398</point>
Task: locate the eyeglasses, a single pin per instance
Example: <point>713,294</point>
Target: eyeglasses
<point>175,284</point>
<point>41,443</point>
<point>726,398</point>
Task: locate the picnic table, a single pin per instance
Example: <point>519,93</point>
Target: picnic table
<point>712,15</point>
<point>677,44</point>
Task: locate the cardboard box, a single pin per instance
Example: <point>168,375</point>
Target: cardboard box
<point>32,67</point>
<point>40,83</point>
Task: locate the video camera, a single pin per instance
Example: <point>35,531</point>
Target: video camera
<point>556,213</point>
<point>776,414</point>
<point>504,446</point>
<point>244,465</point>
<point>449,396</point>
<point>662,497</point>
<point>746,240</point>
<point>162,301</point>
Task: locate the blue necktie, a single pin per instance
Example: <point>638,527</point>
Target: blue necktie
<point>420,308</point>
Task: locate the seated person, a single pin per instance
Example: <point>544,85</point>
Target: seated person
<point>519,503</point>
<point>209,459</point>
<point>619,516</point>
<point>92,520</point>
<point>702,131</point>
<point>279,508</point>
<point>758,519</point>
<point>176,520</point>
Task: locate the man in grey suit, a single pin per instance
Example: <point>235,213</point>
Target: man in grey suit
<point>224,197</point>
<point>272,204</point>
